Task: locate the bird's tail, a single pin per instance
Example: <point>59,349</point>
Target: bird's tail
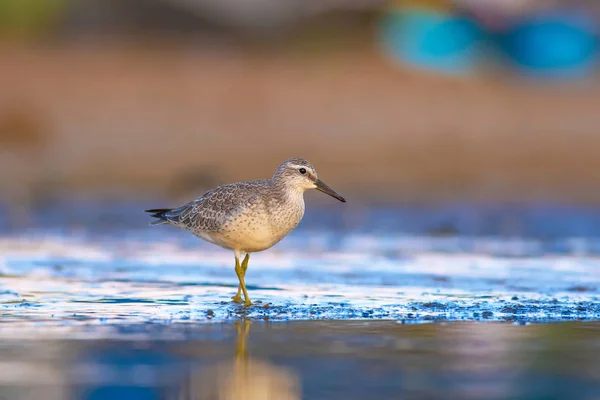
<point>160,214</point>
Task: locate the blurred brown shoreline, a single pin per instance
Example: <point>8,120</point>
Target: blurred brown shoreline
<point>104,119</point>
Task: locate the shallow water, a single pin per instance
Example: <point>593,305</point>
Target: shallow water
<point>94,304</point>
<point>85,265</point>
<point>308,360</point>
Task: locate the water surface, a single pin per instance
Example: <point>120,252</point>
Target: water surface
<point>308,360</point>
<point>416,303</point>
<point>110,267</point>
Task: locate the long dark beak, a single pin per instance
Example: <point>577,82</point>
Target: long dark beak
<point>322,187</point>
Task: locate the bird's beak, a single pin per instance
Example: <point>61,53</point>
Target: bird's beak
<point>322,187</point>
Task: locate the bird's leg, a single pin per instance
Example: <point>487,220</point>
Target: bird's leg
<point>238,297</point>
<point>240,274</point>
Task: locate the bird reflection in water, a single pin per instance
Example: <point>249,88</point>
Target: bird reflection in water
<point>245,378</point>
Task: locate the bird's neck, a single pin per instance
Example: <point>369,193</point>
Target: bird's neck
<point>288,193</point>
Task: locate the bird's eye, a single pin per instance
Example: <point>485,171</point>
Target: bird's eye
<point>302,170</point>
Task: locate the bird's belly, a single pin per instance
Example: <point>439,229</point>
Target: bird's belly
<point>256,229</point>
<point>247,238</point>
<point>254,243</point>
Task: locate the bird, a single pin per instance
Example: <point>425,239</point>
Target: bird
<point>248,217</point>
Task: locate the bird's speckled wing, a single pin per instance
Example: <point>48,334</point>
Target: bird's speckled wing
<point>213,209</point>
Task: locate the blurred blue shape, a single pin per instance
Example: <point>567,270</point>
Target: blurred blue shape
<point>123,393</point>
<point>431,39</point>
<point>553,44</point>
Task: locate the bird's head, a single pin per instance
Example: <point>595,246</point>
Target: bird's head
<point>300,174</point>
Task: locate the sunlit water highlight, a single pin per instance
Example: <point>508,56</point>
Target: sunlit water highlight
<point>126,272</point>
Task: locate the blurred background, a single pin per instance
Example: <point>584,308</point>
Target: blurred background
<point>404,102</point>
<point>464,134</point>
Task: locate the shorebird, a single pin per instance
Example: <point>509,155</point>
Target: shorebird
<point>248,217</point>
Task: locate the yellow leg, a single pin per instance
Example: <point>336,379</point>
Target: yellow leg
<point>240,274</point>
<point>238,297</point>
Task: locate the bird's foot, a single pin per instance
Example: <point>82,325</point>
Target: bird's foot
<point>237,299</point>
<point>247,303</point>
